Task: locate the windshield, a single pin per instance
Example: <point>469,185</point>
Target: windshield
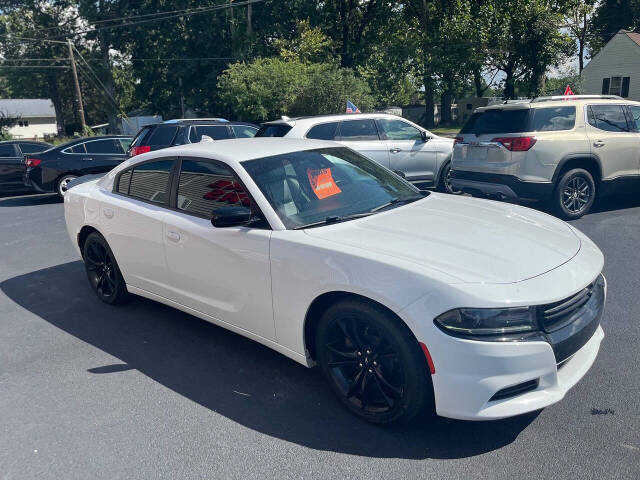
<point>327,185</point>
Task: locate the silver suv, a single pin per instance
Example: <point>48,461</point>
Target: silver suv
<point>567,150</point>
<point>400,145</point>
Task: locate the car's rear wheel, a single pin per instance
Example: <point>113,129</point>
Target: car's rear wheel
<point>574,194</point>
<point>373,363</point>
<point>63,183</point>
<point>103,271</point>
<point>444,184</point>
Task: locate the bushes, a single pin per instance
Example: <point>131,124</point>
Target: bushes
<point>270,87</point>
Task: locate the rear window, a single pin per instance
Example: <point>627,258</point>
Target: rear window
<point>162,136</point>
<point>324,131</point>
<point>34,147</point>
<point>216,132</point>
<point>8,150</point>
<point>552,119</point>
<point>498,121</point>
<point>274,130</point>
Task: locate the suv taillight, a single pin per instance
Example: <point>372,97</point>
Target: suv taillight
<point>516,144</point>
<point>138,150</point>
<point>32,162</point>
<point>458,140</point>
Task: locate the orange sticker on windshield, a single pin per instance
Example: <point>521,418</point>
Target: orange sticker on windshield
<point>322,182</point>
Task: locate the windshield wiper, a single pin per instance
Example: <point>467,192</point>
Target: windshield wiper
<point>396,201</point>
<point>334,219</point>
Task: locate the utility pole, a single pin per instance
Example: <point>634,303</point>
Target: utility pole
<point>75,80</point>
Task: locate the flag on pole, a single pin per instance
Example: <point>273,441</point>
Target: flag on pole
<point>351,108</point>
<point>568,91</point>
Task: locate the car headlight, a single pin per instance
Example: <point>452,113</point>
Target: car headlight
<point>480,322</point>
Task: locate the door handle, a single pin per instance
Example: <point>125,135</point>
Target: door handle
<point>173,236</point>
<point>598,143</point>
<point>107,212</point>
<point>395,150</point>
<point>86,159</point>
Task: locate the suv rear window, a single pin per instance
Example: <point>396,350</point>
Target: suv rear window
<point>273,130</point>
<point>497,121</point>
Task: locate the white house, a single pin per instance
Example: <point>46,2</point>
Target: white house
<point>36,117</point>
<point>615,70</point>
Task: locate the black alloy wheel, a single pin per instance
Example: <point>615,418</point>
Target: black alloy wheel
<point>373,364</point>
<point>445,185</point>
<point>102,270</point>
<point>575,193</point>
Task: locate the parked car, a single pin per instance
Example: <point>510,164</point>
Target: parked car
<point>404,299</point>
<point>185,131</point>
<point>565,150</point>
<point>12,167</point>
<point>53,169</point>
<point>398,144</point>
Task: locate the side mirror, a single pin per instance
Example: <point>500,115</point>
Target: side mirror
<point>230,216</point>
<point>425,136</point>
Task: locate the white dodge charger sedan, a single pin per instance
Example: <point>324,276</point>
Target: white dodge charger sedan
<point>405,300</point>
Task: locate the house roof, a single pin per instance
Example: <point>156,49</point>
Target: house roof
<point>27,107</point>
<point>633,36</point>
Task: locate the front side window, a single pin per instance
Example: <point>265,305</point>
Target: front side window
<point>110,146</point>
<point>358,130</point>
<point>399,130</point>
<point>325,185</point>
<point>216,132</point>
<point>324,131</point>
<point>206,185</point>
<point>552,119</point>
<point>150,181</point>
<point>610,118</point>
<point>244,131</point>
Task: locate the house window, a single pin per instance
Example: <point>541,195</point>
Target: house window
<point>23,123</point>
<point>616,86</point>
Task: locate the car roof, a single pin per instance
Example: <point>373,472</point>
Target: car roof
<point>557,103</point>
<point>76,141</point>
<point>236,150</point>
<point>201,121</point>
<point>24,141</point>
<point>329,117</point>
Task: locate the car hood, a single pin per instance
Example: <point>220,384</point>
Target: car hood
<point>467,239</point>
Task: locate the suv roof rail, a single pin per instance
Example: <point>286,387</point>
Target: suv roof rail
<point>575,97</point>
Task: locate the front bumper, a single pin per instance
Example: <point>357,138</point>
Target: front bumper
<point>500,186</point>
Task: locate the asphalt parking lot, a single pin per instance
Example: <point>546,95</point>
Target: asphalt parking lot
<point>145,391</point>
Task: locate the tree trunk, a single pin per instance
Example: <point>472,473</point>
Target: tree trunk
<point>509,84</point>
<point>445,106</point>
<point>429,108</point>
<point>477,81</point>
<point>57,104</point>
<point>345,60</point>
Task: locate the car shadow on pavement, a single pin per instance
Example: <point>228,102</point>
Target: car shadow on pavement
<point>236,377</point>
<point>30,200</point>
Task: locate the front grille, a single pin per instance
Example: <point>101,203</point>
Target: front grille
<point>556,315</point>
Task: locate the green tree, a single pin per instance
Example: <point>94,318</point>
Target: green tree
<point>611,16</point>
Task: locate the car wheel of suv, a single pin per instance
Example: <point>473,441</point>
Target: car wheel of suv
<point>102,270</point>
<point>575,193</point>
<point>373,364</point>
<point>444,184</point>
<point>63,183</point>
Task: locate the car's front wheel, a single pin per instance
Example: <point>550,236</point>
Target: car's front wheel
<point>574,194</point>
<point>63,184</point>
<point>103,271</point>
<point>373,363</point>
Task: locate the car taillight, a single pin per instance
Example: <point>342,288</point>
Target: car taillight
<point>32,162</point>
<point>458,140</point>
<point>516,144</point>
<point>138,150</point>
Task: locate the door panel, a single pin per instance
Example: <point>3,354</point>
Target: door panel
<point>613,141</point>
<point>222,272</point>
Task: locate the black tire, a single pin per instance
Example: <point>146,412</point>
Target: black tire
<point>444,182</point>
<point>61,183</point>
<point>574,194</point>
<point>373,363</point>
<point>102,270</point>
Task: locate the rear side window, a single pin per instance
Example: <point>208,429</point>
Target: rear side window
<point>110,146</point>
<point>138,139</point>
<point>8,150</point>
<point>552,119</point>
<point>358,130</point>
<point>498,121</point>
<point>610,118</point>
<point>161,136</point>
<point>217,132</point>
<point>244,131</point>
<point>324,131</point>
<point>275,130</point>
<point>204,186</point>
<point>150,181</point>
<point>79,148</point>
